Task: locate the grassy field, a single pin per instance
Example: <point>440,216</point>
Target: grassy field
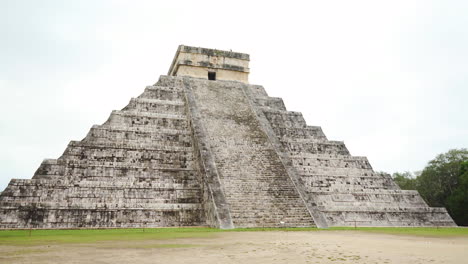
<point>35,237</point>
<point>38,237</point>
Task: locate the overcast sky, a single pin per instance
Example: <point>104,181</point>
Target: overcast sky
<point>389,78</point>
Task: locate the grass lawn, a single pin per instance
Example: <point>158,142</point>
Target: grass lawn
<point>38,237</point>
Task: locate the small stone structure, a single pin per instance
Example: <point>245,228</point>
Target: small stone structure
<point>204,147</point>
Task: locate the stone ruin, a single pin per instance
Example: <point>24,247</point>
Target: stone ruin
<point>202,147</point>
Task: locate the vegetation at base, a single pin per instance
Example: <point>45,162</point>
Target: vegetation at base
<point>457,202</point>
<point>45,237</point>
<point>442,183</point>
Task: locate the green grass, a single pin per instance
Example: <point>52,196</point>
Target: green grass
<point>36,237</point>
<point>41,237</point>
<point>416,231</point>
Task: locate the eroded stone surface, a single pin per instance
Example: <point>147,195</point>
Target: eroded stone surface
<point>191,151</point>
<point>345,188</point>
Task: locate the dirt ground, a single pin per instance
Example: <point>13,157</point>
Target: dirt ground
<point>253,247</point>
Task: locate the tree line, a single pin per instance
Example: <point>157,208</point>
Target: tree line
<point>442,183</point>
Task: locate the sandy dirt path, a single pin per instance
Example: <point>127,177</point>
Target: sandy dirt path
<point>253,247</point>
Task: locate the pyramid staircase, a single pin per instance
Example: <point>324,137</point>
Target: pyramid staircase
<point>257,188</point>
<point>345,188</point>
<point>191,152</point>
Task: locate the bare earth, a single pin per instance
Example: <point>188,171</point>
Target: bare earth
<point>253,247</point>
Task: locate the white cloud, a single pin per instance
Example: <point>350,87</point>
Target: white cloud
<point>387,77</point>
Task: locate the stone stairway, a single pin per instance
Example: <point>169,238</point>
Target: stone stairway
<point>255,183</point>
<point>204,147</point>
<point>221,153</point>
<point>138,169</point>
<point>345,188</point>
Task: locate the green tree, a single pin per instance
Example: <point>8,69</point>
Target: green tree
<point>440,177</point>
<point>406,180</point>
<point>457,203</point>
<point>442,183</point>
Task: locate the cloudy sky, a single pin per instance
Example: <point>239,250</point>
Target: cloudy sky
<point>390,78</point>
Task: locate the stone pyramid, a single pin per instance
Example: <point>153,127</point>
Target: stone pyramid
<point>202,147</point>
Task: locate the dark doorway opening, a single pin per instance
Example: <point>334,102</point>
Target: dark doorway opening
<point>212,76</point>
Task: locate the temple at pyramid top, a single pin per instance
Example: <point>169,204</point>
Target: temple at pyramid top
<point>210,64</point>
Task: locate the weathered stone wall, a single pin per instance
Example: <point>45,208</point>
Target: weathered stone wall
<point>344,188</point>
<point>139,169</point>
<point>197,62</point>
<point>190,151</point>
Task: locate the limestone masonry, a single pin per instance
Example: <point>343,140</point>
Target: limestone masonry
<point>202,147</point>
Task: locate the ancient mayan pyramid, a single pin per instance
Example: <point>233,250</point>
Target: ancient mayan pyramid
<point>202,147</point>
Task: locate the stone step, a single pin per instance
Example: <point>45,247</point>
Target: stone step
<point>80,206</point>
<point>345,162</point>
<point>170,81</point>
<point>110,135</point>
<point>162,93</point>
<point>370,197</point>
<point>117,185</point>
<point>250,223</point>
<point>136,182</point>
<point>308,132</point>
<point>387,209</point>
<point>274,103</point>
<point>351,189</point>
<point>296,148</point>
<point>268,210</point>
<point>141,114</point>
<point>134,149</point>
<point>331,171</point>
<point>422,216</point>
<point>252,218</point>
<point>284,118</point>
<point>153,164</point>
<point>262,201</point>
<point>371,202</point>
<point>113,169</point>
<point>156,106</point>
<point>66,193</point>
<point>128,167</point>
<point>164,87</point>
<point>125,156</point>
<point>144,129</point>
<point>127,146</point>
<point>258,90</point>
<point>100,218</point>
<point>140,174</point>
<point>95,203</point>
<point>269,219</point>
<point>151,141</point>
<point>392,192</point>
<point>328,156</point>
<point>147,119</point>
<point>158,101</point>
<point>124,133</point>
<point>342,177</point>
